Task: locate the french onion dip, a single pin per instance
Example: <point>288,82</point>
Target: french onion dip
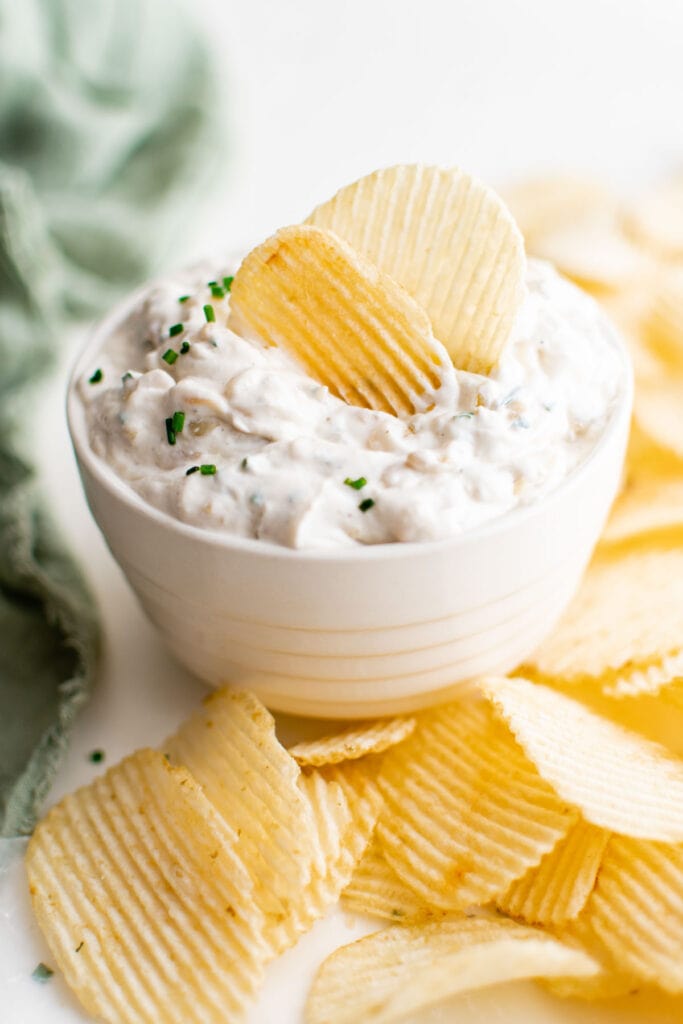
<point>222,432</point>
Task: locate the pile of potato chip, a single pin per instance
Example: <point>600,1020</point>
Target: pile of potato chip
<point>532,829</point>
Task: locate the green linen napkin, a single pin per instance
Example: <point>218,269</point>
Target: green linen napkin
<point>106,135</point>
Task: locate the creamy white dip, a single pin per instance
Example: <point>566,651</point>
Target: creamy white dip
<point>283,446</point>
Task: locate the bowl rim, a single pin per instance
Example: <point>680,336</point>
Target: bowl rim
<point>360,554</point>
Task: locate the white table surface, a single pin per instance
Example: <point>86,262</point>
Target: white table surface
<point>317,94</point>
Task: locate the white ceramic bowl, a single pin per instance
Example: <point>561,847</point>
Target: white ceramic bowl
<point>360,632</point>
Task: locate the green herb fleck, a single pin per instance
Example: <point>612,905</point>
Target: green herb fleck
<point>170,356</point>
<point>184,348</point>
<point>127,376</point>
<point>96,377</point>
<point>244,463</point>
<point>191,470</point>
<point>208,469</point>
<point>210,284</point>
<point>175,329</point>
<point>227,283</point>
<point>79,947</point>
<point>183,298</point>
<point>42,973</point>
<point>178,422</point>
<point>356,484</point>
<point>511,396</point>
<point>366,505</point>
<point>217,291</point>
<point>170,432</point>
<point>96,756</point>
<point>209,313</point>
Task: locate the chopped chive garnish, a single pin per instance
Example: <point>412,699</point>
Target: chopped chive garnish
<point>209,313</point>
<point>175,329</point>
<point>366,505</point>
<point>96,377</point>
<point>183,298</point>
<point>210,284</point>
<point>184,348</point>
<point>42,973</point>
<point>96,756</point>
<point>217,291</point>
<point>244,463</point>
<point>127,376</point>
<point>170,356</point>
<point>178,422</point>
<point>208,469</point>
<point>191,470</point>
<point>356,484</point>
<point>170,432</point>
<point>227,283</point>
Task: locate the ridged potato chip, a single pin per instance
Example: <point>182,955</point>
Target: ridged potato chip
<point>547,204</point>
<point>350,325</point>
<point>466,813</point>
<point>646,457</point>
<point>376,889</point>
<point>655,220</point>
<point>634,918</point>
<point>229,745</point>
<point>618,779</point>
<point>451,243</point>
<point>345,801</point>
<point>624,628</point>
<point>557,890</point>
<point>147,907</point>
<point>396,972</point>
<point>664,324</point>
<point>647,504</point>
<point>594,253</point>
<point>605,985</point>
<point>658,411</point>
<point>357,740</point>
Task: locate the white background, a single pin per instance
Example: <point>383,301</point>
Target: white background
<point>316,94</point>
<point>319,93</point>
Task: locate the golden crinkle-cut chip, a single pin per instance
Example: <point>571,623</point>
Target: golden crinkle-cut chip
<point>376,889</point>
<point>351,326</point>
<point>605,985</point>
<point>658,411</point>
<point>646,457</point>
<point>634,917</point>
<point>655,220</point>
<point>144,901</point>
<point>624,628</point>
<point>230,747</point>
<point>396,972</point>
<point>357,740</point>
<point>466,812</point>
<point>664,324</point>
<point>649,503</point>
<point>345,803</point>
<point>557,890</point>
<point>547,204</point>
<point>449,241</point>
<point>618,779</point>
<point>594,253</point>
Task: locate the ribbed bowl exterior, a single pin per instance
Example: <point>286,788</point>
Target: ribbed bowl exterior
<point>363,631</point>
